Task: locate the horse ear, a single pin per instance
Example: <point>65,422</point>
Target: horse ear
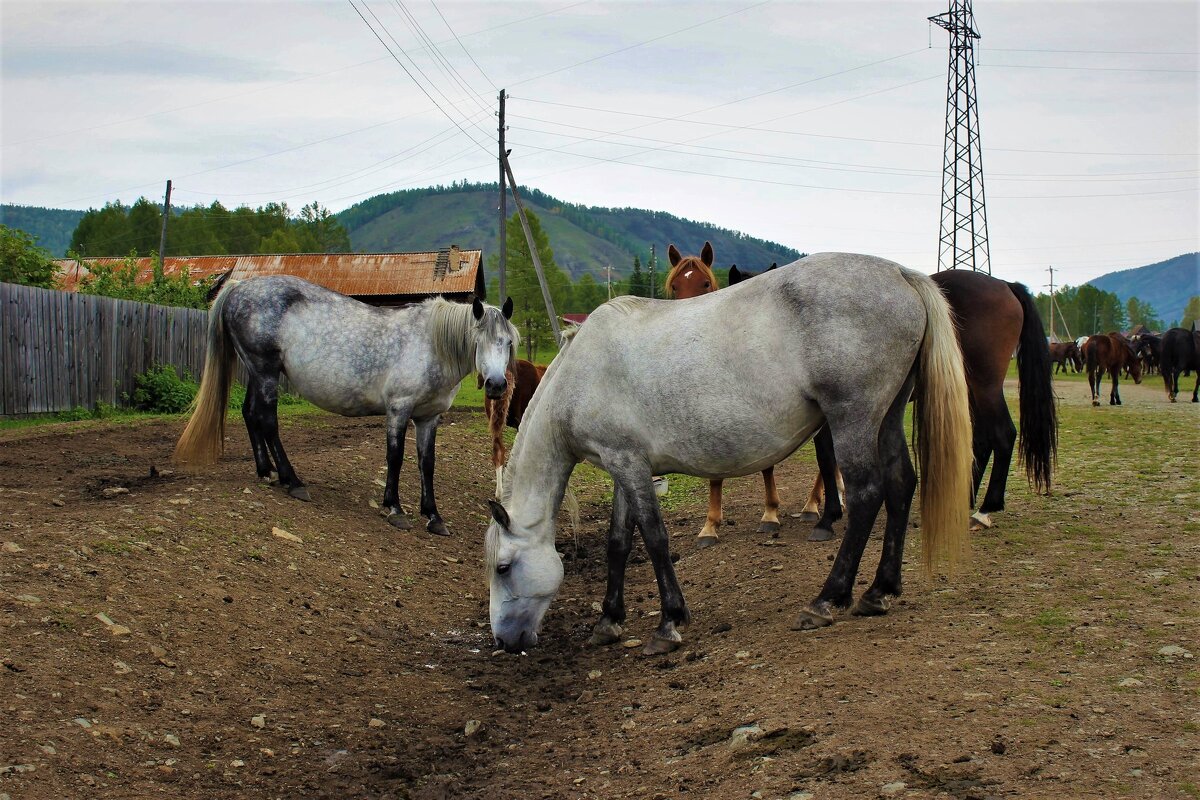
<point>706,255</point>
<point>735,275</point>
<point>674,256</point>
<point>508,308</point>
<point>477,308</point>
<point>499,513</point>
<point>773,266</point>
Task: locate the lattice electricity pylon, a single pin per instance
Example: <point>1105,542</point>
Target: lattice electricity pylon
<point>964,238</point>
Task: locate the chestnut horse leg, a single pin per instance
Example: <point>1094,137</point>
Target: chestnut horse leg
<point>812,509</point>
<point>708,535</point>
<point>770,517</point>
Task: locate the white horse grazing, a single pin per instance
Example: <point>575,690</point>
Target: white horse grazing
<point>349,358</point>
<point>728,384</point>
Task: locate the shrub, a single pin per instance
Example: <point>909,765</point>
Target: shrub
<point>163,391</point>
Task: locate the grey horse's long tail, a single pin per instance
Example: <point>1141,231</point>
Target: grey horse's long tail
<point>203,439</point>
<point>943,432</point>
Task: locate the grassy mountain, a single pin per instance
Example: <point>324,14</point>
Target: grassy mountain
<point>1166,285</point>
<point>584,238</point>
<point>52,226</point>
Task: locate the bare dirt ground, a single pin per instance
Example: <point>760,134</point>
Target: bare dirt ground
<point>232,663</point>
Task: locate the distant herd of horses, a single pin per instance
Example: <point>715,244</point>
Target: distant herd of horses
<point>713,382</point>
<point>1173,354</point>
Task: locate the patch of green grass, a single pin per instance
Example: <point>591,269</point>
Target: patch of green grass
<point>1052,618</point>
<point>112,547</point>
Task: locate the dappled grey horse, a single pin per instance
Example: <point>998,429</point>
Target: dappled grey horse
<point>727,384</point>
<point>349,358</point>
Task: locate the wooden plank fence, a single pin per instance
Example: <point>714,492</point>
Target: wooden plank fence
<point>61,350</point>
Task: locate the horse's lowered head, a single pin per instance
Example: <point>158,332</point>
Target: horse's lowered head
<point>524,572</point>
<point>495,341</point>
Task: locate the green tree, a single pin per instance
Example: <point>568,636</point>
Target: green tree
<point>529,309</point>
<point>588,294</point>
<point>639,283</point>
<point>1191,312</point>
<point>145,226</point>
<point>22,261</point>
<point>322,231</point>
<point>1140,313</point>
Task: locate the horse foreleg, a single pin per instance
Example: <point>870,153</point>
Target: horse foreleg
<point>620,543</point>
<point>397,427</point>
<point>708,534</point>
<point>426,435</point>
<point>770,517</point>
<point>1196,388</point>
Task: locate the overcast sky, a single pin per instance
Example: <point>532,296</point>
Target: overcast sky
<point>814,124</point>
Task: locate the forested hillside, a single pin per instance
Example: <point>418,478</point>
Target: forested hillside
<point>585,239</point>
<point>1167,285</point>
<point>52,227</point>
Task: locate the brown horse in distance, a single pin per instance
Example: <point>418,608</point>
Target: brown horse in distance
<point>509,409</point>
<point>1111,353</point>
<point>1065,356</point>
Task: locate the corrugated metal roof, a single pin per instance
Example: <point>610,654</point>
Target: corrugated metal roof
<point>356,274</point>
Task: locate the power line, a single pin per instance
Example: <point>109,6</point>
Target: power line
<point>461,45</point>
<point>836,166</point>
<point>1092,69</point>
<point>407,72</point>
<point>642,43</point>
<point>866,140</point>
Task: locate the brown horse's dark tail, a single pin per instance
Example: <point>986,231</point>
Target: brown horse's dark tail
<point>1039,416</point>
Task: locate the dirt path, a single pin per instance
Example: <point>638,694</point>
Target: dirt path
<point>241,664</point>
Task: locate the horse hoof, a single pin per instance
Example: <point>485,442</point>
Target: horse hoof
<point>398,520</point>
<point>706,541</point>
<point>768,527</point>
<point>870,607</point>
<point>437,527</point>
<point>981,521</point>
<point>811,619</point>
<point>300,493</point>
<point>661,645</point>
<point>809,516</point>
<point>820,535</point>
<point>605,633</point>
<point>1095,403</point>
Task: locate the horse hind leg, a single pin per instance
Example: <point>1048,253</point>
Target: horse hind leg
<point>1002,434</point>
<point>426,436</point>
<point>268,415</point>
<point>258,442</point>
<point>899,485</point>
<point>397,428</point>
<point>770,517</point>
<point>708,534</point>
<point>857,443</point>
<point>620,542</point>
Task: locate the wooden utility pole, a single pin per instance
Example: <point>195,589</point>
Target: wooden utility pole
<point>533,253</point>
<point>503,211</point>
<point>162,239</point>
<point>609,268</point>
<point>652,265</point>
<point>1051,303</point>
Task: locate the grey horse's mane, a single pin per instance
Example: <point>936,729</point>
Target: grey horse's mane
<point>450,326</point>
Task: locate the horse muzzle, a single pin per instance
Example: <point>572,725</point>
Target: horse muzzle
<point>494,388</point>
<point>518,642</point>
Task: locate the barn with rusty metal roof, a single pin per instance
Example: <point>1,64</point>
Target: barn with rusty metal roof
<point>381,279</point>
